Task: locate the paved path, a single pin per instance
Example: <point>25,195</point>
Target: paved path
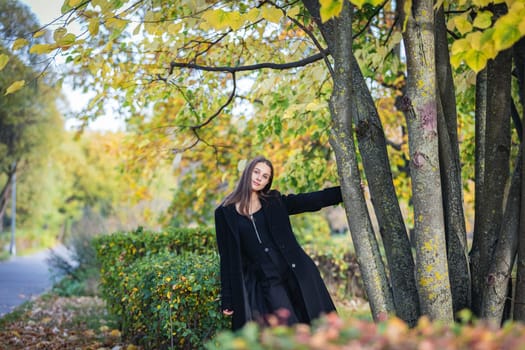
<point>23,278</point>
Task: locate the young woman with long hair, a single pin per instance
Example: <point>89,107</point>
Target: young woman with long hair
<point>264,270</point>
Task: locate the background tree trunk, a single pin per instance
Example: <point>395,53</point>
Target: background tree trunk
<point>421,111</point>
<point>494,137</point>
<point>519,302</point>
<point>495,288</point>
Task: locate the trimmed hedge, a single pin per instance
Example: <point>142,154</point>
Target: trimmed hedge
<point>172,301</point>
<point>117,251</point>
<point>139,268</point>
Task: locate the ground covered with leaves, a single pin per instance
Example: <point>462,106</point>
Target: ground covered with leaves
<point>53,322</point>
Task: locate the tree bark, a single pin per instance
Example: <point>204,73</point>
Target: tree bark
<point>493,167</point>
<point>495,288</point>
<point>456,236</point>
<point>519,301</point>
<point>367,249</point>
<point>420,106</point>
<point>372,147</point>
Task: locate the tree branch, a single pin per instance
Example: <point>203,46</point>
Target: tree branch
<point>276,66</point>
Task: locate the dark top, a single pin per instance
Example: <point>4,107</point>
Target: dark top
<point>259,248</point>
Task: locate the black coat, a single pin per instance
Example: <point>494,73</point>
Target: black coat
<point>277,209</point>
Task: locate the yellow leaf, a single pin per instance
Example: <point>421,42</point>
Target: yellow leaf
<point>39,33</point>
<point>235,20</point>
<point>460,46</point>
<point>481,3</point>
<point>506,31</point>
<point>252,15</point>
<point>3,60</point>
<point>19,43</point>
<point>41,48</point>
<point>359,3</point>
<point>476,60</point>
<point>271,14</point>
<point>407,9</point>
<point>462,24</point>
<point>67,40</point>
<point>175,28</point>
<point>330,9</point>
<point>483,20</point>
<point>114,333</point>
<point>93,26</point>
<point>74,3</point>
<point>116,23</point>
<point>59,33</point>
<point>216,19</point>
<point>17,85</point>
<point>294,11</point>
<point>474,40</point>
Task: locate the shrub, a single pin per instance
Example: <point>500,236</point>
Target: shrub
<point>119,250</point>
<point>173,300</point>
<point>140,270</point>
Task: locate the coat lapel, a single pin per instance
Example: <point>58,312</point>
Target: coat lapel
<point>233,224</point>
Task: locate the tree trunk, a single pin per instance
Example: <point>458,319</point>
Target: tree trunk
<point>372,146</point>
<point>494,168</point>
<point>519,302</point>
<point>495,288</point>
<point>421,111</point>
<point>456,236</point>
<point>366,246</point>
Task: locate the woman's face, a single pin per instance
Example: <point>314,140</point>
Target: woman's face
<point>260,176</point>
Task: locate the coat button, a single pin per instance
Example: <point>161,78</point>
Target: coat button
<point>266,250</point>
<point>293,266</point>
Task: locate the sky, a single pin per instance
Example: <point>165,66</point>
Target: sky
<point>46,11</point>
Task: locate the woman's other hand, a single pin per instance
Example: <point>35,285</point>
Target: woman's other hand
<point>227,312</point>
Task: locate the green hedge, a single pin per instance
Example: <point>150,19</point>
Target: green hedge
<point>137,270</point>
<point>172,300</point>
<point>119,250</point>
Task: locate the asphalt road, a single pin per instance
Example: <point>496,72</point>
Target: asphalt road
<point>23,278</point>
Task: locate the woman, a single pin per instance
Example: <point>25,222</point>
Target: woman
<point>263,269</point>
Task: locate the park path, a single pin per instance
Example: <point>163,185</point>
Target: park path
<point>24,278</point>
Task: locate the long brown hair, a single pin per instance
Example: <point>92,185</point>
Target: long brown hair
<point>243,190</point>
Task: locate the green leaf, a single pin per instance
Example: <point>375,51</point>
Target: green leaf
<point>330,9</point>
<point>3,60</point>
<point>17,85</point>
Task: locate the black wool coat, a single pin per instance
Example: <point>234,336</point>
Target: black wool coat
<point>277,208</point>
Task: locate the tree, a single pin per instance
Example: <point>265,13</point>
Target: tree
<point>29,122</point>
<point>163,60</point>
